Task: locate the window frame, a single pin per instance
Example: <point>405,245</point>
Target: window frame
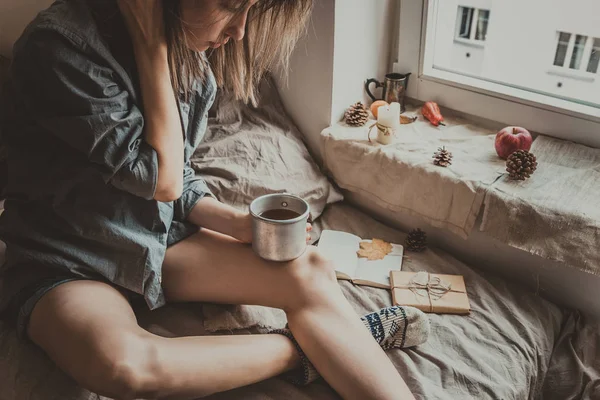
<point>470,13</point>
<point>488,100</point>
<point>589,49</point>
<point>479,12</point>
<point>577,55</point>
<point>594,52</point>
<point>559,43</point>
<point>473,26</point>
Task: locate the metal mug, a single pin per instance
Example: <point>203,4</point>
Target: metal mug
<point>279,240</point>
<point>394,88</point>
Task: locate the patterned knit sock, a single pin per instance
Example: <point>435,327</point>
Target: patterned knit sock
<point>398,327</point>
<point>306,373</point>
<point>392,327</point>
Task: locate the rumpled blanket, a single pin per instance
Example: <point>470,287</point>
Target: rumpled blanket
<point>513,345</point>
<point>555,213</point>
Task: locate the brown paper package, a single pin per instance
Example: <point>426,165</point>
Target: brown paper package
<point>406,293</point>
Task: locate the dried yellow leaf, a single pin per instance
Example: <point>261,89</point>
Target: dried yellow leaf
<point>377,249</point>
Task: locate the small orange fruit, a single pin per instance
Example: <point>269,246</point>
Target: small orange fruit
<point>375,106</point>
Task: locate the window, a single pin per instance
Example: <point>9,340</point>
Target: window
<point>465,29</point>
<point>534,63</point>
<point>465,15</point>
<point>561,48</point>
<point>482,24</point>
<point>594,57</point>
<point>577,51</point>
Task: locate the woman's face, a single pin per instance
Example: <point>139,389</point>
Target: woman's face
<point>212,23</point>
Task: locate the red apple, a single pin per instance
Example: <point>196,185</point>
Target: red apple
<point>511,139</point>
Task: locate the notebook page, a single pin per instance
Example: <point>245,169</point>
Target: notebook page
<point>340,247</point>
<point>379,270</point>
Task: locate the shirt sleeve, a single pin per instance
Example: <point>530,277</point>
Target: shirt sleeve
<point>194,189</point>
<point>71,95</point>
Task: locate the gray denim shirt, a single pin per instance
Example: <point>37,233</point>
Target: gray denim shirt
<point>81,176</point>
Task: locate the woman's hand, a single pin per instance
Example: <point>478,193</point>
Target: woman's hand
<point>242,229</point>
<point>210,213</point>
<point>144,20</point>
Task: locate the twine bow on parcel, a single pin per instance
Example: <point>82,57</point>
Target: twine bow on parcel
<point>432,287</point>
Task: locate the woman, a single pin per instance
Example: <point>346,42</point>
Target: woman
<point>103,207</point>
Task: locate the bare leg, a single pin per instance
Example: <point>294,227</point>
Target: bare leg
<point>213,267</point>
<point>90,331</point>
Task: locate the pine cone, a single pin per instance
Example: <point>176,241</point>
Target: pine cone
<point>521,164</point>
<point>416,240</point>
<point>356,115</point>
<point>443,157</point>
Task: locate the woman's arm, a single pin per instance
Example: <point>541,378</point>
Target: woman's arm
<point>162,129</point>
<point>212,214</point>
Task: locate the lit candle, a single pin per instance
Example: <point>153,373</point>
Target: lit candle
<point>389,115</point>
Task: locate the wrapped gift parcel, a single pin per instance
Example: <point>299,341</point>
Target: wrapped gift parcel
<point>434,293</point>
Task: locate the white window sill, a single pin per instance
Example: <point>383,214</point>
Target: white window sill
<point>573,74</point>
<point>470,42</point>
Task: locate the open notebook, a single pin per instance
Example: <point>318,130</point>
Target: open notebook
<point>341,247</point>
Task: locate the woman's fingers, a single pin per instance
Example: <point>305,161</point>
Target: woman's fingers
<point>308,227</point>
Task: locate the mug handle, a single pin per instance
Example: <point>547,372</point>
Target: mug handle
<point>377,85</point>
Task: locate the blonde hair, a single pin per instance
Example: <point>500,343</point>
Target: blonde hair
<point>272,30</point>
<point>186,65</point>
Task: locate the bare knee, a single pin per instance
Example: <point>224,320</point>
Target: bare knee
<point>314,268</point>
<point>137,371</point>
<point>106,352</point>
<point>127,369</point>
<point>313,278</point>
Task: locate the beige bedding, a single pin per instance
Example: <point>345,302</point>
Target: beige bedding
<point>503,350</point>
<point>557,214</point>
<point>514,345</point>
<point>248,152</point>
